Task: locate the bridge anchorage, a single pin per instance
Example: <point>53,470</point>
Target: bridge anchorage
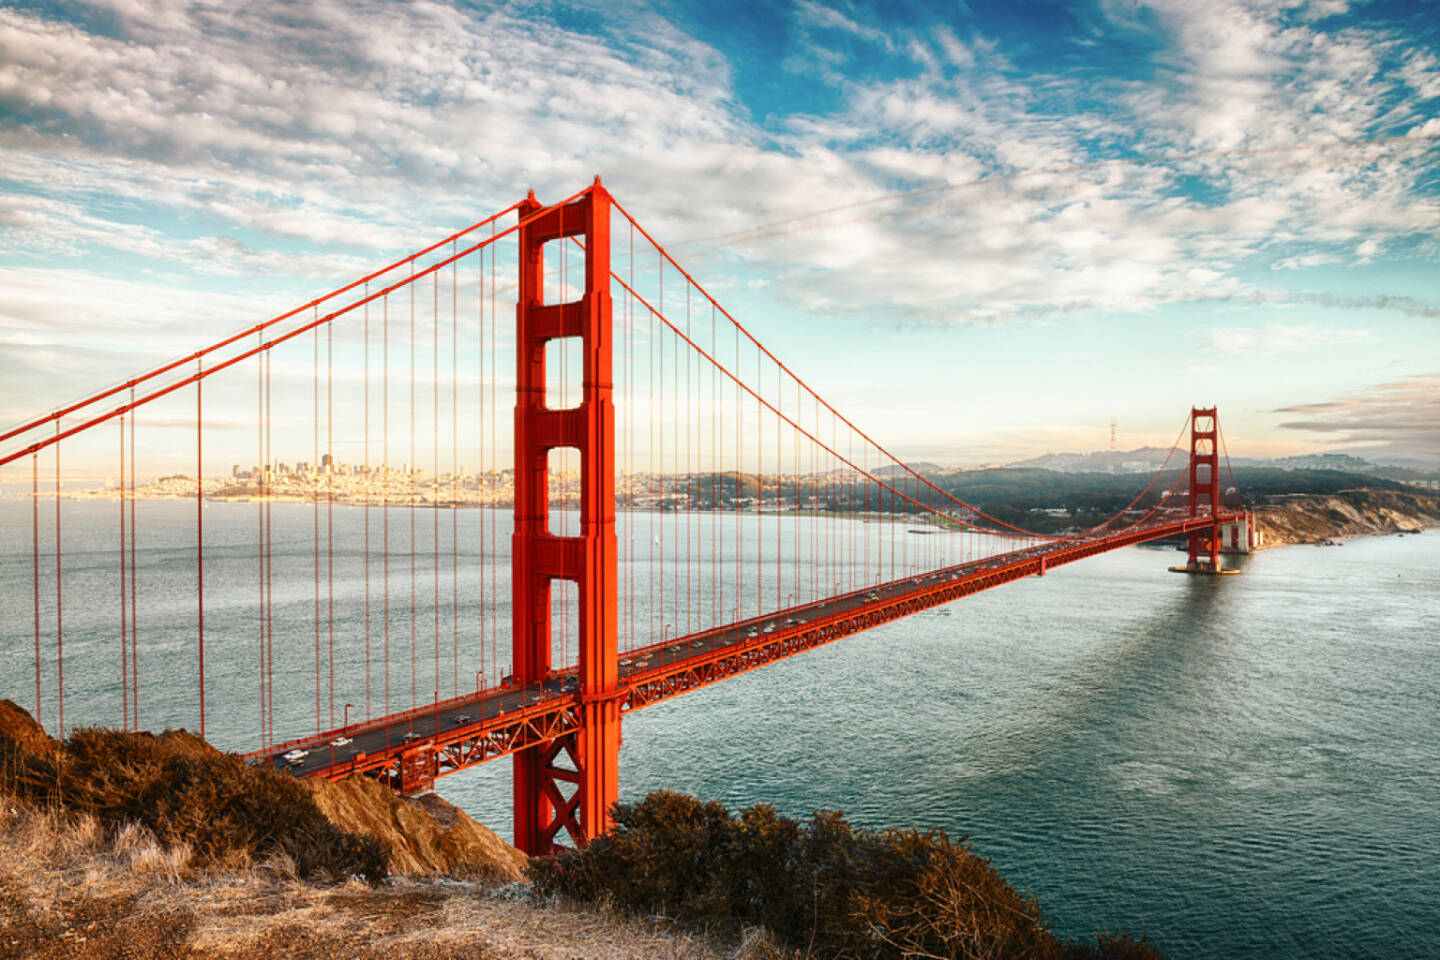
<point>682,508</point>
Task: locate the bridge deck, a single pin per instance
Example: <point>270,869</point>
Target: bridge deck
<point>412,748</point>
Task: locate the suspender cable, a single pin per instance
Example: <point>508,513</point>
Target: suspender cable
<point>435,464</point>
<point>35,570</point>
<point>369,496</point>
<point>200,544</point>
<point>260,531</point>
<point>454,460</point>
<point>410,493</point>
<point>134,579</point>
<point>330,506</point>
<point>124,601</point>
<point>59,605</point>
<point>386,481</point>
<point>315,507</point>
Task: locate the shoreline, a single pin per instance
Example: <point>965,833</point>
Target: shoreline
<point>1329,519</point>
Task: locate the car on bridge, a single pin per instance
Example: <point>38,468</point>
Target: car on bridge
<point>341,742</point>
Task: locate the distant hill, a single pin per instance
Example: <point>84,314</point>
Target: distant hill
<point>1140,460</point>
<point>899,471</point>
<point>1314,461</point>
<point>1149,459</point>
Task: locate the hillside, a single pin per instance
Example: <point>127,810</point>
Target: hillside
<point>117,846</point>
<point>1316,518</point>
<point>144,847</point>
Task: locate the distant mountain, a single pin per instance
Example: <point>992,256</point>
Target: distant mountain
<point>1149,460</point>
<point>899,471</point>
<point>1141,460</point>
<point>1342,462</point>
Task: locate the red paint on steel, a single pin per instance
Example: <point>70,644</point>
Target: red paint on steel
<point>539,557</point>
<point>35,569</point>
<point>1204,488</point>
<point>200,546</point>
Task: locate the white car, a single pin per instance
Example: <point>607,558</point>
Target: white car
<point>341,742</point>
<point>463,718</point>
<point>297,754</point>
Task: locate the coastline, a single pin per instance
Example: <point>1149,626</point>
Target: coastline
<point>1327,519</point>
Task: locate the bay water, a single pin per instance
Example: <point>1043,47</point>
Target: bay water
<point>1244,766</point>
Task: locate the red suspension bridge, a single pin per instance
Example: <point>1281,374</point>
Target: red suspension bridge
<point>662,505</point>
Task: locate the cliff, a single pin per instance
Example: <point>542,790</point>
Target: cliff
<point>1317,518</point>
<point>421,836</point>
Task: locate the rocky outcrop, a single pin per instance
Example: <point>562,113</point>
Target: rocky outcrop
<point>422,836</point>
<point>1317,518</point>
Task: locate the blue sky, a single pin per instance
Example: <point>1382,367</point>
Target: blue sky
<point>981,229</point>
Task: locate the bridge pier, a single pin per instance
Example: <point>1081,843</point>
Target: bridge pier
<point>568,784</point>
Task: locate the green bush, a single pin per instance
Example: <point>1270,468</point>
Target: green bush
<point>823,889</point>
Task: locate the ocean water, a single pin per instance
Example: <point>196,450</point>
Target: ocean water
<point>1237,767</point>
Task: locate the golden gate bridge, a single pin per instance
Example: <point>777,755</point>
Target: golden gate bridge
<point>684,508</point>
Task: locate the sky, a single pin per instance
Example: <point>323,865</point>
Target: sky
<point>981,230</point>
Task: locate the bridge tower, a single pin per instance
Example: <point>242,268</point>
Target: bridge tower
<point>569,783</point>
<point>1204,489</point>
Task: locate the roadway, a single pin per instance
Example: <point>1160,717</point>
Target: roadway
<point>480,711</point>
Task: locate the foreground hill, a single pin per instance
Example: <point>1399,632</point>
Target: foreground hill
<point>142,847</point>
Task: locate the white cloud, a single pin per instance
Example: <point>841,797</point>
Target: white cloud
<point>1283,339</point>
<point>340,130</point>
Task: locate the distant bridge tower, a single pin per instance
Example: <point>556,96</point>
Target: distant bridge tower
<point>568,783</point>
<point>1204,546</point>
<point>1114,444</point>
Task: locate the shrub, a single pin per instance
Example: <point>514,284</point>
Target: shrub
<point>825,888</point>
<point>184,793</point>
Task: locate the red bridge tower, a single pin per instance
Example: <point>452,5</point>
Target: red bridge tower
<point>1204,491</point>
<point>570,782</point>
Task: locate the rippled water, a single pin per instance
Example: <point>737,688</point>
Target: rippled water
<point>1247,766</point>
<point>1244,766</point>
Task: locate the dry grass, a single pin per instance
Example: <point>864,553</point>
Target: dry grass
<point>184,793</point>
<point>825,888</point>
<point>68,889</point>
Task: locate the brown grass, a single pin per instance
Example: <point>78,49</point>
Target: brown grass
<point>825,888</point>
<point>69,889</point>
<point>183,793</point>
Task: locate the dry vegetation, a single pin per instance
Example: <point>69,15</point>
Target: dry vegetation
<point>141,847</point>
<point>69,890</point>
<point>130,846</point>
<point>825,889</point>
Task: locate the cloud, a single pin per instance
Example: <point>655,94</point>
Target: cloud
<point>265,139</point>
<point>1280,339</point>
<point>1395,420</point>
